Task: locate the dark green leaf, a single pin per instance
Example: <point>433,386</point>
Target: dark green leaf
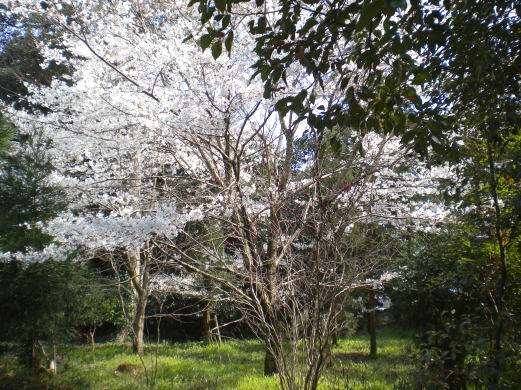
<point>217,49</point>
<point>267,90</point>
<point>226,21</point>
<point>207,14</point>
<point>361,150</point>
<point>229,42</point>
<point>344,82</point>
<point>280,105</point>
<point>188,38</point>
<point>370,10</point>
<point>261,25</point>
<point>220,5</point>
<point>205,41</point>
<point>336,145</point>
<point>408,136</point>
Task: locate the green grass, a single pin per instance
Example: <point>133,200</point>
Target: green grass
<point>192,366</point>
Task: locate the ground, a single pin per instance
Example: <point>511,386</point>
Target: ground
<point>193,366</point>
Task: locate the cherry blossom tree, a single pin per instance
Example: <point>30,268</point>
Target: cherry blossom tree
<point>112,138</point>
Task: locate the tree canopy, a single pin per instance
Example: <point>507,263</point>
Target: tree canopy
<point>409,68</point>
<point>311,149</point>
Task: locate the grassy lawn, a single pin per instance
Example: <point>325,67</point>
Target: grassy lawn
<point>192,366</point>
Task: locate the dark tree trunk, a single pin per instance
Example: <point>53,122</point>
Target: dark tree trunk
<point>270,304</point>
<point>207,335</point>
<point>334,338</point>
<point>34,361</point>
<point>270,363</point>
<point>498,323</point>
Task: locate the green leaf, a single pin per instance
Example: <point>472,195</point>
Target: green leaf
<point>217,49</point>
<point>226,21</point>
<point>344,82</point>
<point>188,38</point>
<point>361,150</point>
<point>267,90</point>
<point>205,41</point>
<point>399,4</point>
<point>336,145</point>
<point>408,136</point>
<point>207,14</point>
<point>369,12</point>
<point>220,5</point>
<point>261,25</point>
<point>229,42</point>
<point>309,24</point>
<point>281,104</point>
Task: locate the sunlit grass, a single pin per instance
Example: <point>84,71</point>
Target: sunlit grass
<point>193,366</point>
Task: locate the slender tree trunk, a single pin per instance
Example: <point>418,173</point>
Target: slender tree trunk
<point>139,324</point>
<point>371,322</point>
<point>335,329</point>
<point>218,329</point>
<point>91,338</point>
<point>34,362</point>
<point>500,304</point>
<point>270,304</point>
<point>280,179</point>
<point>138,267</point>
<point>207,334</point>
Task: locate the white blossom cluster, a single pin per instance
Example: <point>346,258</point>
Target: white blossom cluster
<point>140,132</point>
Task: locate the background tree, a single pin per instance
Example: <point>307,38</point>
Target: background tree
<point>38,296</point>
<point>45,302</point>
<point>27,198</point>
<point>7,134</point>
<point>21,57</point>
<point>454,278</point>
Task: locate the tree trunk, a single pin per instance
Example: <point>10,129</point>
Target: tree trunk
<point>371,322</point>
<point>138,265</point>
<point>139,324</point>
<point>34,361</point>
<point>91,338</point>
<point>498,323</point>
<point>207,334</point>
<point>334,338</point>
<point>218,329</point>
<point>270,362</point>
